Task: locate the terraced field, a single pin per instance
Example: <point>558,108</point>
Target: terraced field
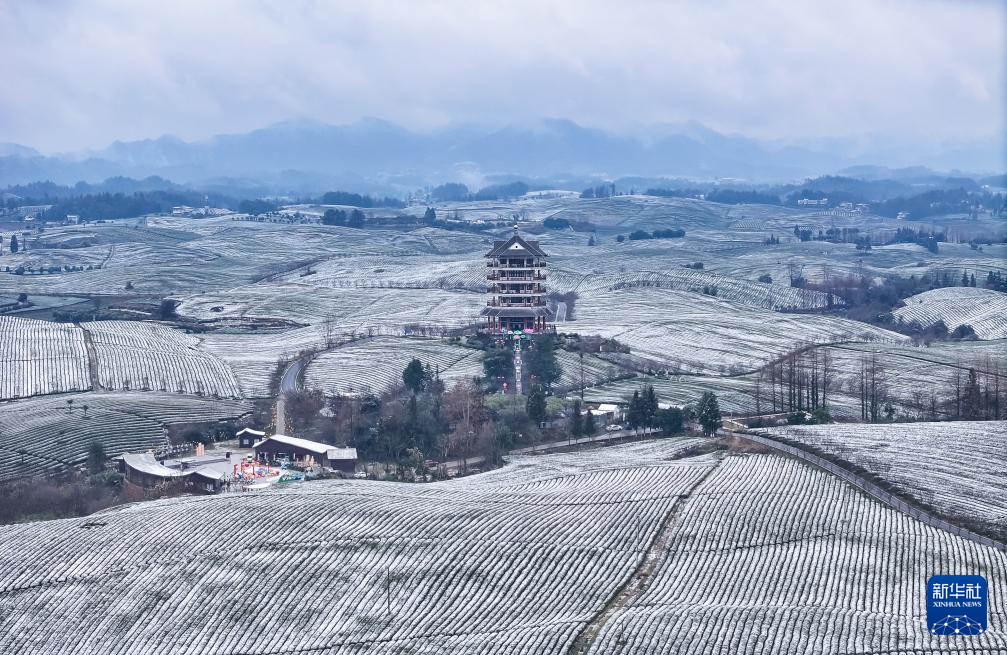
<point>955,467</point>
<point>738,554</point>
<point>376,365</point>
<point>150,356</point>
<point>696,333</point>
<point>45,434</point>
<point>982,309</point>
<point>39,357</point>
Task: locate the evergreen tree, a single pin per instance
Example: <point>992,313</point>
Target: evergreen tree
<point>635,415</point>
<point>576,420</point>
<point>414,377</point>
<point>13,244</point>
<point>334,217</point>
<point>649,406</point>
<point>356,218</point>
<point>671,420</point>
<point>965,278</point>
<point>973,280</point>
<point>708,413</point>
<point>535,406</point>
<point>430,216</point>
<point>589,427</point>
<point>96,457</point>
<point>540,360</point>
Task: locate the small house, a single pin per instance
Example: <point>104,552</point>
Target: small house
<point>281,446</point>
<point>247,437</point>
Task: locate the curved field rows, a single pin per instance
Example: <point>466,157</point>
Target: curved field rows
<point>984,309</point>
<point>398,568</point>
<point>254,356</point>
<point>761,554</point>
<point>53,434</point>
<point>376,365</point>
<point>39,357</point>
<point>771,556</point>
<point>151,356</point>
<point>955,467</point>
<point>743,292</point>
<point>698,333</point>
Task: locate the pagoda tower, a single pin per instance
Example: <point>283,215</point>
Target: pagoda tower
<point>516,273</point>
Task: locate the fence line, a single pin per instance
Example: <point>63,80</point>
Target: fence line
<point>871,489</point>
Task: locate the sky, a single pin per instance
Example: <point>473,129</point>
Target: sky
<point>79,75</point>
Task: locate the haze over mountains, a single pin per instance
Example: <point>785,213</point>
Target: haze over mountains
<point>373,154</point>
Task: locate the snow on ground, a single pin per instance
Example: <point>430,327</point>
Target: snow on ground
<point>700,333</point>
<point>750,553</point>
<point>45,434</point>
<point>376,365</point>
<point>984,310</point>
<point>955,467</point>
<point>39,357</point>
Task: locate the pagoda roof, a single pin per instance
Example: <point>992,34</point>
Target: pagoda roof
<point>517,312</point>
<point>516,246</point>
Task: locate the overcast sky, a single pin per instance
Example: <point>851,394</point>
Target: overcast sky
<point>82,74</point>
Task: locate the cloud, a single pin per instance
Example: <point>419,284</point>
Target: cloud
<point>80,74</point>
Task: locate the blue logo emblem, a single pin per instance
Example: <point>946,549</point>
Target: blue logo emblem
<point>956,605</point>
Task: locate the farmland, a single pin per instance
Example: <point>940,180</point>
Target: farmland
<point>375,365</point>
<point>535,557</point>
<point>150,356</point>
<point>45,434</point>
<point>957,468</point>
<point>38,357</point>
<point>984,310</point>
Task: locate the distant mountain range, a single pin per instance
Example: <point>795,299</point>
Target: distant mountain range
<point>373,155</point>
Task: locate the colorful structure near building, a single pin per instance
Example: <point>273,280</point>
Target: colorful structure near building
<point>516,275</point>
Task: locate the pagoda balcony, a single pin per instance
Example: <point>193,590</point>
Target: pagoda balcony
<point>518,292</point>
<point>494,303</point>
<point>496,277</point>
<point>518,267</point>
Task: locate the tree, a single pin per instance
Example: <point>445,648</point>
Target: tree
<point>13,244</point>
<point>708,413</point>
<point>498,365</point>
<point>589,426</point>
<point>166,311</point>
<point>635,413</point>
<point>649,406</point>
<point>535,406</point>
<point>540,360</point>
<point>671,420</point>
<point>430,216</point>
<point>414,376</point>
<point>96,457</point>
<point>356,219</point>
<point>334,217</point>
<point>576,420</point>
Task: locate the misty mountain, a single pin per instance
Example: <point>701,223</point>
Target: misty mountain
<point>373,155</point>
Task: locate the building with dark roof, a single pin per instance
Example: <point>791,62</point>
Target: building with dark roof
<point>516,273</point>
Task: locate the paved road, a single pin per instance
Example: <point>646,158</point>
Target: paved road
<point>560,312</point>
<point>289,381</point>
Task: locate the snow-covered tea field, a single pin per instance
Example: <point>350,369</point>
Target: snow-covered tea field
<point>376,365</point>
<point>39,357</point>
<point>45,434</point>
<point>736,554</point>
<point>150,356</point>
<point>984,310</point>
<point>958,468</point>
